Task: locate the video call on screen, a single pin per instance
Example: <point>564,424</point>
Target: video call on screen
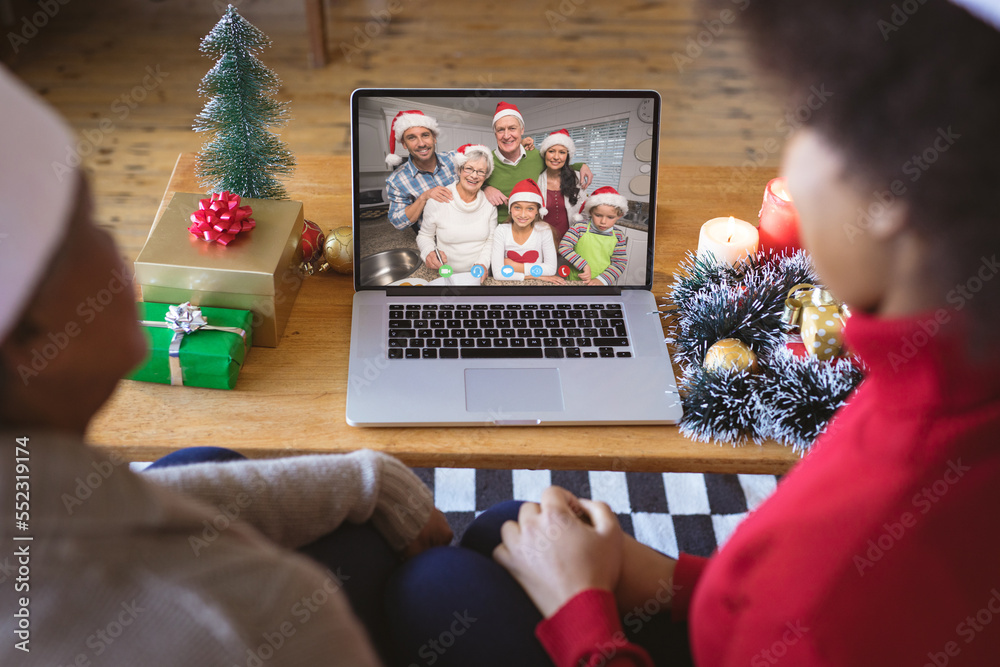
<point>614,135</point>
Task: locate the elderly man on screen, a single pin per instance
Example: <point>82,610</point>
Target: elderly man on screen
<point>512,162</point>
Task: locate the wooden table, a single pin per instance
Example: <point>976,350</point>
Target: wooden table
<point>290,399</point>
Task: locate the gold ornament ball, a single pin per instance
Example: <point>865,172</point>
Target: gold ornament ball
<point>730,353</point>
<point>339,250</point>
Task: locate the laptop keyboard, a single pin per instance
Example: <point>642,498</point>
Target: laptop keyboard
<point>507,331</point>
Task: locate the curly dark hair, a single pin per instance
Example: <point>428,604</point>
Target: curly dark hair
<point>913,101</point>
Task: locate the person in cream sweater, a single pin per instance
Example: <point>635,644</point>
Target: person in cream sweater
<point>204,564</point>
<point>460,232</point>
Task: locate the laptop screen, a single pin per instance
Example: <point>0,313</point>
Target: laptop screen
<point>498,191</point>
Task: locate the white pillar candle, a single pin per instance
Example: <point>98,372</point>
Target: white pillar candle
<point>729,239</point>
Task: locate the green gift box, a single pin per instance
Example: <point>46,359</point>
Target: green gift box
<point>209,355</point>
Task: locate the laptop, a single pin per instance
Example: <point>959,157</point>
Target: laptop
<point>453,346</point>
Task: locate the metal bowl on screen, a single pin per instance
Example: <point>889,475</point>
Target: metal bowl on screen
<point>389,266</point>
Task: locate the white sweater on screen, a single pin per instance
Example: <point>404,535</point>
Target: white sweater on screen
<point>539,242</point>
<point>462,231</point>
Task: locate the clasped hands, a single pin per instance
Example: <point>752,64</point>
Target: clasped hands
<point>560,547</point>
<point>565,545</point>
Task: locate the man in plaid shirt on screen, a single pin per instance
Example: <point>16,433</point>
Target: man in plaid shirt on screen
<point>428,173</point>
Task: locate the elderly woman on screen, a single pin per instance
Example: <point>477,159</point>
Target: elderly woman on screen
<point>460,232</point>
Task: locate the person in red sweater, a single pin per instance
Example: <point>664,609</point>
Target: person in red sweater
<point>880,547</point>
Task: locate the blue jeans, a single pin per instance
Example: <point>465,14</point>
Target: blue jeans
<point>358,552</point>
<point>457,606</point>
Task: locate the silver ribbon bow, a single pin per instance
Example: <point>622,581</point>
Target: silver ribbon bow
<point>185,319</point>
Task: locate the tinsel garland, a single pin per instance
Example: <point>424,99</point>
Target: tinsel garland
<point>791,399</point>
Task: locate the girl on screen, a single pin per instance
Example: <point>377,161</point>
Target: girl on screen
<point>523,247</point>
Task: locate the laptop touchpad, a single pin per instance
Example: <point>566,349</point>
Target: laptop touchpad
<point>508,390</point>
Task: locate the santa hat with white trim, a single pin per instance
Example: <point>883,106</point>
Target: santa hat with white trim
<point>606,196</point>
<point>469,151</point>
<point>403,121</point>
<point>38,189</point>
<point>528,191</point>
<point>559,138</point>
<point>987,11</point>
<point>504,109</point>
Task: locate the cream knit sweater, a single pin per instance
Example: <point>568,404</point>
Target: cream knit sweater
<point>462,230</point>
<point>124,570</point>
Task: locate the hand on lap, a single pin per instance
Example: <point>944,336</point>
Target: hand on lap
<point>561,547</point>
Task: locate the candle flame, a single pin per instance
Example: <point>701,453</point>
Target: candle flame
<point>731,230</point>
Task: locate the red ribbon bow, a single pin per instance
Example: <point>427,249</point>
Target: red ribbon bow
<point>221,218</point>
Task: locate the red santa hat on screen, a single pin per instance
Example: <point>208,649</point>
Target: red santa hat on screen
<point>606,196</point>
<point>505,109</point>
<point>528,191</point>
<point>403,121</point>
<point>470,151</point>
<point>559,138</point>
<point>38,185</point>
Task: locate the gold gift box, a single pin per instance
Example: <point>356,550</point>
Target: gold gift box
<point>257,271</point>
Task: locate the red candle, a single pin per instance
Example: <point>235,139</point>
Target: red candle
<point>779,221</point>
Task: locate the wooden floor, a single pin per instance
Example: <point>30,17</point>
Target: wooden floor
<point>132,67</point>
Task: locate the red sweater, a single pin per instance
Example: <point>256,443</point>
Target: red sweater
<point>882,547</point>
